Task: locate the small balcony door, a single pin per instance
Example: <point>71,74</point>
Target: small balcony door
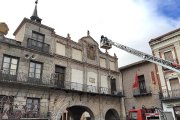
<point>175,87</point>
<point>142,85</point>
<point>113,85</point>
<point>59,76</point>
<point>9,67</point>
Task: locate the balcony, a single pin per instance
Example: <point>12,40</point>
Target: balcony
<point>36,45</point>
<point>21,110</point>
<point>170,94</point>
<point>52,83</point>
<point>84,88</point>
<point>139,92</point>
<point>22,78</point>
<point>9,41</point>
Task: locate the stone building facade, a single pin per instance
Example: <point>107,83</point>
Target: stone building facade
<point>147,92</point>
<point>47,76</point>
<point>167,47</point>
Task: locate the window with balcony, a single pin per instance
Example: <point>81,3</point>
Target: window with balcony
<point>59,76</point>
<point>142,90</point>
<point>6,103</point>
<point>39,37</point>
<point>36,42</point>
<point>142,85</point>
<point>35,71</point>
<point>113,85</point>
<point>175,87</point>
<point>9,67</point>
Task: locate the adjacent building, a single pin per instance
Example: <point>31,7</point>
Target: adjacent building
<point>146,91</point>
<point>46,76</point>
<point>167,47</point>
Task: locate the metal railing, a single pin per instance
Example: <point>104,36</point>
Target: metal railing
<point>12,108</point>
<point>23,78</point>
<point>10,41</point>
<point>68,85</point>
<point>52,82</point>
<point>37,45</point>
<point>170,94</point>
<point>139,92</point>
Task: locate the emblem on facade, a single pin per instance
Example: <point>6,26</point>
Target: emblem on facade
<point>92,80</point>
<point>91,52</point>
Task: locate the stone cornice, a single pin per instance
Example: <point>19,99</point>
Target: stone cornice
<point>101,53</point>
<point>82,39</point>
<point>60,56</point>
<point>162,37</point>
<point>68,40</point>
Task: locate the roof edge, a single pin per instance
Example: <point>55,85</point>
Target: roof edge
<point>133,64</point>
<point>33,22</point>
<point>168,33</point>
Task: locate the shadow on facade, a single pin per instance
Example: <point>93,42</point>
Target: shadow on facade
<point>112,114</point>
<point>77,113</point>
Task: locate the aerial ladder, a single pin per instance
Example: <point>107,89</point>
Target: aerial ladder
<point>107,44</point>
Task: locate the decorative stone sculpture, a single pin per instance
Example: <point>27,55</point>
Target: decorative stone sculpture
<point>3,29</point>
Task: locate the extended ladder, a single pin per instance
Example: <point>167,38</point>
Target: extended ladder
<point>107,44</point>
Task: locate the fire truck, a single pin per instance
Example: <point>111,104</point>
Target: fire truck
<point>143,113</point>
<point>146,114</point>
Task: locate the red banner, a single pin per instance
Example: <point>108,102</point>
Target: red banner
<point>136,82</point>
<point>153,77</point>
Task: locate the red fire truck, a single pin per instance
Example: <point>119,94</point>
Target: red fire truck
<point>145,114</point>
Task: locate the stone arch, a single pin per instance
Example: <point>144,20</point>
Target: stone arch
<point>112,114</point>
<point>62,105</point>
<point>77,111</point>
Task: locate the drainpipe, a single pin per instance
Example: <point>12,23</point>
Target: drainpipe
<point>123,94</point>
<point>49,114</point>
<point>100,106</point>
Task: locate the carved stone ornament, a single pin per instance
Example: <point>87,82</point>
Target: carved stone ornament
<point>3,28</point>
<point>91,52</point>
<point>92,80</point>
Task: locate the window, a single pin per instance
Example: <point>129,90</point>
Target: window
<point>175,87</point>
<point>142,85</point>
<point>133,116</point>
<point>37,36</point>
<point>59,76</point>
<point>35,70</point>
<point>33,104</point>
<point>6,103</point>
<point>36,42</point>
<point>10,65</point>
<point>168,56</point>
<point>113,85</point>
<point>177,111</point>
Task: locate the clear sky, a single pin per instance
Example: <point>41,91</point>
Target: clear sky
<point>129,22</point>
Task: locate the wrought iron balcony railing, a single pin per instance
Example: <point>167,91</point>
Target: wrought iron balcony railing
<point>37,45</point>
<point>52,82</point>
<point>10,41</point>
<point>23,78</point>
<point>140,92</point>
<point>22,110</point>
<point>73,86</point>
<point>170,94</point>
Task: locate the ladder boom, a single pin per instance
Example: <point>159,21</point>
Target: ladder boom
<point>107,43</point>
